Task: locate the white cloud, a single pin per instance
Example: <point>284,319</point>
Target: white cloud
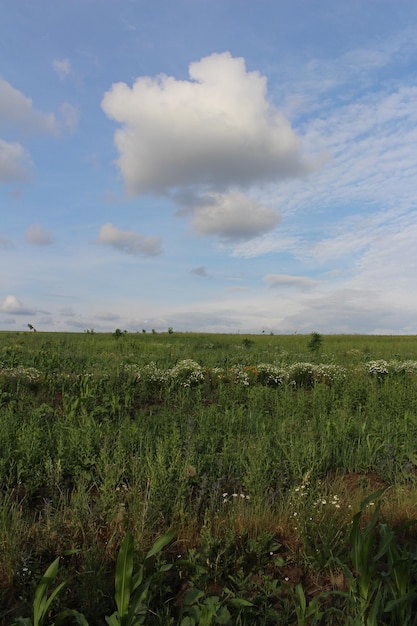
<point>371,142</point>
<point>371,136</point>
<point>284,280</point>
<point>16,110</point>
<point>62,67</point>
<point>14,306</point>
<point>233,217</point>
<point>265,244</point>
<point>15,162</point>
<point>128,241</point>
<point>37,236</point>
<point>18,117</point>
<point>70,116</point>
<point>213,131</point>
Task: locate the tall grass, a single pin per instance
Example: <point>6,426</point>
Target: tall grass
<point>216,436</point>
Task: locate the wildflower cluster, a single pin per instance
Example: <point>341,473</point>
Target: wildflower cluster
<point>271,375</point>
<point>381,368</point>
<point>153,374</point>
<point>328,373</point>
<point>240,375</point>
<point>402,367</point>
<point>377,368</point>
<point>301,374</point>
<point>187,373</point>
<point>219,372</point>
<point>26,374</point>
<point>307,374</point>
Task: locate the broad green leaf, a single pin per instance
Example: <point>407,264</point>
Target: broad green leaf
<point>301,597</point>
<point>165,568</point>
<point>398,602</point>
<point>240,602</point>
<point>113,620</point>
<point>138,603</point>
<point>387,540</point>
<point>137,579</point>
<point>123,577</point>
<point>223,616</point>
<point>53,595</point>
<point>371,498</point>
<point>41,601</point>
<point>192,596</point>
<point>160,543</point>
<point>372,619</point>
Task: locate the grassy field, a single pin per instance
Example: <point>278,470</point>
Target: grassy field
<point>259,452</point>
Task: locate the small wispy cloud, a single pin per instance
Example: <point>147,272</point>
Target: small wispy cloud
<point>17,112</point>
<point>284,280</point>
<point>107,317</point>
<point>62,67</point>
<point>15,163</point>
<point>129,241</point>
<point>19,119</point>
<point>70,116</point>
<point>67,312</point>
<point>37,236</point>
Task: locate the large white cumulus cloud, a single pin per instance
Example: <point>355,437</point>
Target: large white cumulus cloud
<point>212,132</point>
<point>233,217</point>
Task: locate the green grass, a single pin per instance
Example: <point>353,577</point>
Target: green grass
<point>240,443</point>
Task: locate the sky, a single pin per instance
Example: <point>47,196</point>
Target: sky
<point>230,166</point>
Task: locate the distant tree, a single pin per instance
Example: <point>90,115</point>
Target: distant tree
<point>153,331</point>
<point>315,343</point>
<point>144,331</point>
<point>117,333</point>
<point>170,330</point>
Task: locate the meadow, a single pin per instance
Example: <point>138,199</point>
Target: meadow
<point>245,479</point>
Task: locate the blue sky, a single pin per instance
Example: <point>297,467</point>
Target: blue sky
<point>208,165</point>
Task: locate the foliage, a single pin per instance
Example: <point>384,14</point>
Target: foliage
<point>131,591</point>
<point>197,432</point>
<point>315,343</point>
<point>383,579</point>
<point>42,601</point>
